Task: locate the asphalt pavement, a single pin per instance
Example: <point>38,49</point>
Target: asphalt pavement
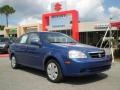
<point>31,79</point>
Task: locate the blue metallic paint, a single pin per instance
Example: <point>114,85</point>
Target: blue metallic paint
<point>32,56</point>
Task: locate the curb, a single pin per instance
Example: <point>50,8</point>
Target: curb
<point>4,55</point>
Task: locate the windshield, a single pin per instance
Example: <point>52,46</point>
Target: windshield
<point>57,38</point>
<point>4,39</point>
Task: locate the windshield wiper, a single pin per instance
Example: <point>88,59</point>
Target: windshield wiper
<point>63,42</point>
<point>56,42</point>
<point>70,42</point>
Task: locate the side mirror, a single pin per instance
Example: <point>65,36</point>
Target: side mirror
<point>36,43</point>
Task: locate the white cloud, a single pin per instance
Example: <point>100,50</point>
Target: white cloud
<point>29,20</point>
<point>114,12</point>
<point>26,10</point>
<point>88,9</point>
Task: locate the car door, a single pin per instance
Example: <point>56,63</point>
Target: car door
<point>35,53</point>
<point>21,48</point>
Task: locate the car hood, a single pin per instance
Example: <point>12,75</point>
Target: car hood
<point>78,46</point>
<point>2,42</point>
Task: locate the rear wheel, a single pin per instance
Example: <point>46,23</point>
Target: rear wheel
<point>14,64</point>
<point>53,71</point>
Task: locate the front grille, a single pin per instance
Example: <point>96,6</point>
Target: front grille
<point>1,47</point>
<point>99,68</point>
<point>96,69</point>
<point>97,54</point>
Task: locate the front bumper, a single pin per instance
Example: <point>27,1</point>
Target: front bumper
<point>3,49</point>
<point>87,66</point>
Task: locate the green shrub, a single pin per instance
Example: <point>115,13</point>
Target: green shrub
<point>2,27</point>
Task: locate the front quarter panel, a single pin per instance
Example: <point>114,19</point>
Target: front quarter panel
<point>60,54</point>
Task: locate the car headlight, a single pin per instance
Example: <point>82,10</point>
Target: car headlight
<point>2,45</point>
<point>76,54</point>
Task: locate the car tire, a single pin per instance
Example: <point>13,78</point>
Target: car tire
<point>14,64</point>
<point>53,70</point>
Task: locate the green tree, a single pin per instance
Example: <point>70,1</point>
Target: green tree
<point>2,27</point>
<point>1,14</point>
<point>7,10</point>
<point>0,9</point>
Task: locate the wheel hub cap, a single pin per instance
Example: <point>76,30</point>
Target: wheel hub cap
<point>52,71</point>
<point>13,61</point>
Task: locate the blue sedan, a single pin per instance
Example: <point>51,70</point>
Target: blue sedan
<point>58,55</point>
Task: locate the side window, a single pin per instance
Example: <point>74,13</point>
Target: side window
<point>33,38</point>
<point>23,39</point>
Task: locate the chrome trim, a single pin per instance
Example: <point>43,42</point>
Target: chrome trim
<point>97,52</point>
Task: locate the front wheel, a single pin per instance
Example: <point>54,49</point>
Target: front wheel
<point>14,64</point>
<point>53,71</point>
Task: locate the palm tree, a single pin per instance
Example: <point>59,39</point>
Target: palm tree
<point>7,10</point>
<point>0,14</point>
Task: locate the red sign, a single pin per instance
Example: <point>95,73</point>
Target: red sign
<point>58,7</point>
<point>115,24</point>
<point>73,13</point>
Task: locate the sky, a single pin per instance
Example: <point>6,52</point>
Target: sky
<point>30,11</point>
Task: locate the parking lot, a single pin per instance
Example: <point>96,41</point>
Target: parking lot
<point>31,79</point>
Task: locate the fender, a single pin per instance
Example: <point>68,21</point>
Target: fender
<point>58,57</point>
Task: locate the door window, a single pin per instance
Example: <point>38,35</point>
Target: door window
<point>23,39</point>
<point>33,38</point>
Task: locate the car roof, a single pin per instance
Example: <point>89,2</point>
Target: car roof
<point>42,32</point>
<point>4,38</point>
